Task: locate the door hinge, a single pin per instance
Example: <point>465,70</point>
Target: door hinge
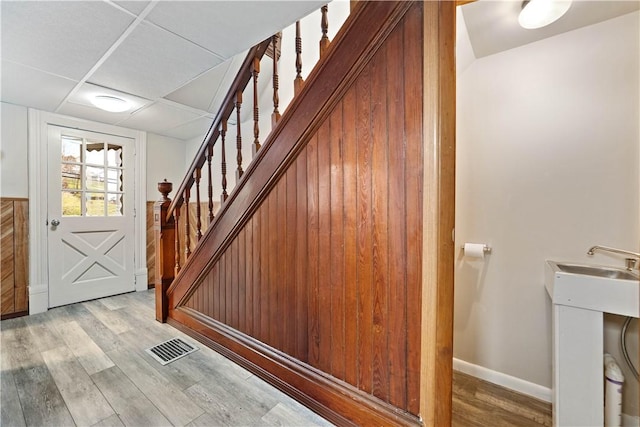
<point>135,213</point>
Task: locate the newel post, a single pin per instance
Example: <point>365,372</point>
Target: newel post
<point>164,234</point>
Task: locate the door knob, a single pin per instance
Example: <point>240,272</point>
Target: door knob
<point>55,222</point>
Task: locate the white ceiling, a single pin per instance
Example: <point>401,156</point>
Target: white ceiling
<point>493,25</point>
<point>169,57</point>
<point>175,59</point>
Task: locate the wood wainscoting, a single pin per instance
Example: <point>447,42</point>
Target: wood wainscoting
<point>14,213</point>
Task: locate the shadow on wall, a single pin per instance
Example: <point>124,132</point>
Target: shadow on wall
<point>471,273</point>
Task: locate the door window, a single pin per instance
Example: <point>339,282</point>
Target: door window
<point>92,177</point>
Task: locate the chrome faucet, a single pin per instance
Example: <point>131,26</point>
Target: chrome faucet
<point>629,262</point>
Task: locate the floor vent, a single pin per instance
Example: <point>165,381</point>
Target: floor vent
<point>170,350</point>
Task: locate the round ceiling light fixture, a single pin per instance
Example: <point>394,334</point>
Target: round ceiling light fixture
<point>112,104</point>
<point>539,13</point>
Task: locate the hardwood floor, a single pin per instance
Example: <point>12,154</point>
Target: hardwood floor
<point>84,364</point>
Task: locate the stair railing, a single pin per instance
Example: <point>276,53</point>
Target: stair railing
<point>183,215</point>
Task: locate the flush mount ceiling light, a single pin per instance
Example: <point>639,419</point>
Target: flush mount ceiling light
<point>111,103</point>
<point>539,13</point>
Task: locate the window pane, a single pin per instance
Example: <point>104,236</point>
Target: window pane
<point>71,149</point>
<point>94,179</point>
<point>114,155</point>
<point>95,204</point>
<point>115,204</point>
<point>114,179</point>
<point>71,203</point>
<point>71,177</point>
<point>95,152</point>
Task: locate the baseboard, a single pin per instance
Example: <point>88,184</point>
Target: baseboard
<point>38,298</point>
<point>504,380</point>
<point>142,280</point>
<point>630,421</point>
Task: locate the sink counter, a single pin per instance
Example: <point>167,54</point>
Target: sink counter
<point>617,294</point>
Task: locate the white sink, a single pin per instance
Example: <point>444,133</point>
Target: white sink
<point>592,287</point>
<point>580,295</point>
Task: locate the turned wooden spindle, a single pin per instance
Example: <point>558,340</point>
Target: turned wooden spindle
<point>176,221</point>
<point>324,25</point>
<point>210,186</point>
<point>187,225</point>
<point>275,116</point>
<point>196,176</point>
<point>256,127</point>
<point>223,136</point>
<point>239,170</point>
<point>298,81</point>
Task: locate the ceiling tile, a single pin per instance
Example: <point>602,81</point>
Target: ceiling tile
<point>40,33</point>
<point>158,117</point>
<point>201,92</point>
<point>196,128</point>
<point>215,25</point>
<point>135,7</point>
<point>152,62</point>
<point>30,87</point>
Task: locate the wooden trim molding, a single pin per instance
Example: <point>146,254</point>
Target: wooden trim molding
<point>14,199</point>
<point>439,211</point>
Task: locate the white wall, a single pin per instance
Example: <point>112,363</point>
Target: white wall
<point>165,159</point>
<point>14,178</point>
<point>547,165</point>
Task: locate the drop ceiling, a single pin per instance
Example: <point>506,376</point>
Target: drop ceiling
<point>169,57</point>
<point>175,59</point>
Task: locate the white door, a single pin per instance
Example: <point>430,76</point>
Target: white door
<point>90,215</point>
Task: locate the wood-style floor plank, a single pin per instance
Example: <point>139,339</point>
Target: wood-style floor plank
<point>129,402</point>
<point>102,336</point>
<point>47,336</point>
<point>83,399</point>
<point>282,415</point>
<point>110,319</point>
<point>90,356</point>
<point>10,406</point>
<point>167,397</point>
<point>41,401</point>
<point>112,421</point>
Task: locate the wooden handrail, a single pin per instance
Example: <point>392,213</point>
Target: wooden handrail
<point>228,104</point>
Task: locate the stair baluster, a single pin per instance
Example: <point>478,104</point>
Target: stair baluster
<point>239,171</point>
<point>196,176</point>
<point>176,221</point>
<point>324,26</point>
<point>210,187</point>
<point>298,81</point>
<point>275,116</point>
<point>255,71</point>
<point>223,134</point>
<point>187,225</point>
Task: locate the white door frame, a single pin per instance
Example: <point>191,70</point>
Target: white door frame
<point>38,197</point>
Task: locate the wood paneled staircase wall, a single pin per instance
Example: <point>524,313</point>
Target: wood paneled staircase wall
<point>311,275</point>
